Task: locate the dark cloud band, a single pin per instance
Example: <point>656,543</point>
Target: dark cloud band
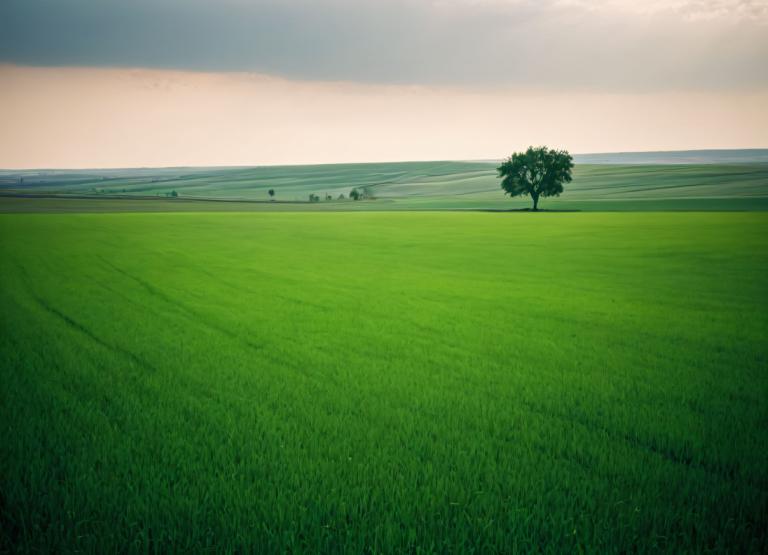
<point>460,42</point>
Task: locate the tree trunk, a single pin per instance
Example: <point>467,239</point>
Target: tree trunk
<point>535,202</point>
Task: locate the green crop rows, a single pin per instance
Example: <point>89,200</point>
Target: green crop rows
<point>412,185</point>
<point>384,382</point>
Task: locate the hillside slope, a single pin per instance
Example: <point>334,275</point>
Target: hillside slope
<point>421,185</point>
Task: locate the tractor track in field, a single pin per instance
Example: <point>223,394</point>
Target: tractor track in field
<point>185,310</point>
<point>74,324</point>
<point>199,319</point>
<point>726,472</point>
<point>189,314</point>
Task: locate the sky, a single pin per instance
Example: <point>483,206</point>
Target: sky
<point>112,83</point>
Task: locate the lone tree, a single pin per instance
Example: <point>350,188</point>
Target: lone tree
<point>271,193</point>
<point>539,172</point>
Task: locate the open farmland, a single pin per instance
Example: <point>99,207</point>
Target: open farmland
<point>384,382</point>
<point>731,185</point>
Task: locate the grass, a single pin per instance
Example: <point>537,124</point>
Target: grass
<point>422,185</point>
<point>384,382</point>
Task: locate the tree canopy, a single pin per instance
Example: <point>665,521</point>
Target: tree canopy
<point>538,172</point>
<point>361,193</point>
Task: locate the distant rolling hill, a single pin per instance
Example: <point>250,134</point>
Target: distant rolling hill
<point>740,156</point>
<point>717,180</point>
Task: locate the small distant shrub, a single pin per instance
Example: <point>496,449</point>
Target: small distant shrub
<point>362,193</point>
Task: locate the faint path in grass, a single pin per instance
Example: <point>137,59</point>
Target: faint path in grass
<point>181,307</point>
<point>683,457</point>
<point>200,319</point>
<point>77,326</point>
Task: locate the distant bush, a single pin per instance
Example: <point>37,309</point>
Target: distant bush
<point>314,198</point>
<point>362,193</point>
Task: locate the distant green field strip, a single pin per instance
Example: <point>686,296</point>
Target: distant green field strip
<point>442,184</point>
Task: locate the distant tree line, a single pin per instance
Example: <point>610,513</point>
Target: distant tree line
<point>357,193</point>
<point>363,193</point>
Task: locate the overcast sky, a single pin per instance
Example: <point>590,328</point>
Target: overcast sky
<point>82,82</point>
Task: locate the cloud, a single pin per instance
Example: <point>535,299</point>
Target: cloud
<point>85,117</point>
<point>723,10</point>
<point>611,45</point>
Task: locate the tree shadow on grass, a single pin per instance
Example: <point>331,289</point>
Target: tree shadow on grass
<point>523,210</point>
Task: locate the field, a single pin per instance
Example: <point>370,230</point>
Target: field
<point>384,382</point>
<point>411,186</point>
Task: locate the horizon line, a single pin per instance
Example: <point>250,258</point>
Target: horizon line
<point>408,161</point>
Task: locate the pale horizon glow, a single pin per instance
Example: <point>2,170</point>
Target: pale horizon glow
<point>107,118</point>
<point>89,83</point>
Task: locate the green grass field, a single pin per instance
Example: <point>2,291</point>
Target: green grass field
<point>382,382</point>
